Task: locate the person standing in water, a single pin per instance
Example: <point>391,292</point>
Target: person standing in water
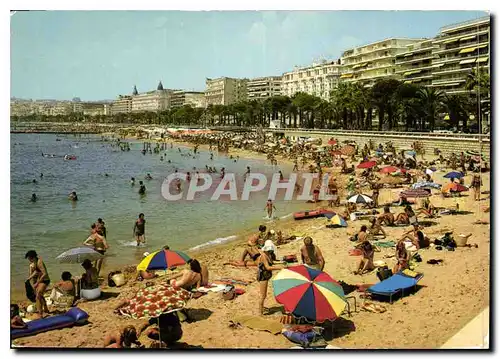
<point>247,172</point>
<point>40,276</point>
<point>34,197</point>
<point>73,197</point>
<point>132,181</point>
<point>140,229</point>
<point>269,207</point>
<point>142,189</point>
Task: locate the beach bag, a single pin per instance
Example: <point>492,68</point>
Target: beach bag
<point>383,273</point>
<point>30,292</point>
<point>291,258</point>
<point>229,293</point>
<point>116,279</point>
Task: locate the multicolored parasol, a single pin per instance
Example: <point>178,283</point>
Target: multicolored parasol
<point>336,220</point>
<point>163,259</point>
<point>152,301</point>
<point>309,293</point>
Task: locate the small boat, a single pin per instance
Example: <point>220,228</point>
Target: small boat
<point>311,214</point>
<point>70,157</point>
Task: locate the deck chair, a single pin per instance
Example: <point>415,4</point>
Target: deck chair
<point>399,283</point>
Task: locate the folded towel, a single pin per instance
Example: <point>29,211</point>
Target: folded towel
<point>258,323</point>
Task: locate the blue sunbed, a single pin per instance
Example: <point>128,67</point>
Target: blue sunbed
<point>70,318</point>
<point>395,284</point>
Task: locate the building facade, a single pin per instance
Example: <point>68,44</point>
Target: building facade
<point>318,80</point>
<point>123,104</point>
<point>191,98</point>
<point>369,63</point>
<point>415,65</point>
<point>460,48</point>
<point>264,87</point>
<point>225,91</point>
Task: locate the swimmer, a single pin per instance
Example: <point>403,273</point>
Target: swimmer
<point>35,181</point>
<point>148,177</point>
<point>106,175</point>
<point>132,181</point>
<point>142,189</point>
<point>188,176</point>
<point>41,175</point>
<point>161,158</point>
<point>73,197</point>
<point>34,197</point>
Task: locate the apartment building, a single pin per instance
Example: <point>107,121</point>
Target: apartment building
<point>192,98</point>
<point>461,48</point>
<point>21,107</point>
<point>369,63</point>
<point>264,87</point>
<point>225,91</point>
<point>123,104</point>
<point>318,79</point>
<point>415,65</point>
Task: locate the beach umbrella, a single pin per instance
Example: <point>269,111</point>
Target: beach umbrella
<point>163,259</point>
<point>454,187</point>
<point>79,254</point>
<point>424,185</point>
<point>367,164</point>
<point>415,193</point>
<point>389,169</point>
<point>153,301</point>
<point>332,142</point>
<point>348,150</point>
<point>338,221</point>
<point>454,174</point>
<point>309,293</point>
<point>429,171</point>
<point>360,198</point>
<point>390,180</point>
<point>472,153</point>
<point>410,153</point>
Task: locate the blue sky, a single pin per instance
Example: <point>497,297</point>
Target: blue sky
<point>97,55</point>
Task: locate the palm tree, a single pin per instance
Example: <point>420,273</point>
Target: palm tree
<point>383,96</point>
<point>456,106</point>
<point>431,102</point>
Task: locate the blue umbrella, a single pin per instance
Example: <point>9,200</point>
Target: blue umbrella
<point>79,254</point>
<point>454,174</point>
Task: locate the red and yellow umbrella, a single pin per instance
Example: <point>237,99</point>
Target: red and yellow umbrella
<point>163,259</point>
<point>309,293</point>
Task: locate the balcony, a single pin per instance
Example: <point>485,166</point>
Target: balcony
<point>449,81</point>
<point>476,22</point>
<point>473,32</point>
<point>464,46</point>
<point>412,68</point>
<point>429,56</point>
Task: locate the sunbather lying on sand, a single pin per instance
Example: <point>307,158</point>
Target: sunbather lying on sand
<point>190,278</point>
<point>251,251</point>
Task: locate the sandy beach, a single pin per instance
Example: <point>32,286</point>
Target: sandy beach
<point>449,296</point>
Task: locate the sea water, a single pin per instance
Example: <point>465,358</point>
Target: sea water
<point>53,224</point>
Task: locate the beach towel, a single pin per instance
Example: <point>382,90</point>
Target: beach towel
<point>385,244</point>
<point>211,288</point>
<point>395,284</point>
<point>258,323</point>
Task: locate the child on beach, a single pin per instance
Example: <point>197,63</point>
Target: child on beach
<point>16,322</point>
<point>269,207</point>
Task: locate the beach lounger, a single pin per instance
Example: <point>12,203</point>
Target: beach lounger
<point>70,318</point>
<point>399,283</point>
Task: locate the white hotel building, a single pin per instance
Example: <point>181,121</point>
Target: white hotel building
<point>369,63</point>
<point>318,80</point>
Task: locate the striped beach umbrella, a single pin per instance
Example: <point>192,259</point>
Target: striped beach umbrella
<point>336,220</point>
<point>360,198</point>
<point>348,150</point>
<point>79,254</point>
<point>163,259</point>
<point>309,293</point>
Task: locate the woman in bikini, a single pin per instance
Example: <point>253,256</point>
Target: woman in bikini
<point>40,276</point>
<point>366,263</point>
<point>98,240</point>
<point>140,229</point>
<point>401,256</point>
<point>264,272</point>
<point>251,251</point>
<point>190,278</point>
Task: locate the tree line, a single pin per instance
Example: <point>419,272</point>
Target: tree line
<point>396,105</point>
